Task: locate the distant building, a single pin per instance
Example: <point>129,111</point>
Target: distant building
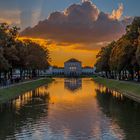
<point>46,72</point>
<point>88,71</point>
<point>58,71</point>
<point>52,71</point>
<point>72,67</point>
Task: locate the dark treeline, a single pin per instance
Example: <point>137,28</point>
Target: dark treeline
<point>26,56</point>
<point>121,59</point>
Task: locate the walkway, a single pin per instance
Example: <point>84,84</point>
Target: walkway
<point>20,83</point>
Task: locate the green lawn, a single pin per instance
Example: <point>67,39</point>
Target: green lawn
<point>12,92</point>
<point>128,88</point>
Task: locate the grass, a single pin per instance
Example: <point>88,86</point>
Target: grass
<point>9,93</point>
<point>129,89</point>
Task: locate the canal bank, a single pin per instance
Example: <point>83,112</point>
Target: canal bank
<point>128,89</point>
<point>13,91</point>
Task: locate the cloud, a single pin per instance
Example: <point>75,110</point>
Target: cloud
<point>81,23</point>
<point>23,13</point>
<point>116,14</point>
<point>10,16</point>
<point>30,12</point>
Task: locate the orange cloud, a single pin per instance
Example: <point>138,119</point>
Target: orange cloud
<point>116,14</point>
<point>79,31</point>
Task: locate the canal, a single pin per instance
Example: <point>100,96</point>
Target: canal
<point>70,109</point>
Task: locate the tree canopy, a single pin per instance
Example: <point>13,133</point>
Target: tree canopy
<point>16,54</point>
<point>124,54</point>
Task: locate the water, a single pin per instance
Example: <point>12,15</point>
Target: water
<point>70,109</point>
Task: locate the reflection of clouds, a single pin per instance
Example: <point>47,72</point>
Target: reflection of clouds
<point>76,118</point>
<point>80,118</point>
<point>73,84</point>
<point>71,116</point>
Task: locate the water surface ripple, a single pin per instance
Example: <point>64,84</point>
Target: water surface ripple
<point>70,109</point>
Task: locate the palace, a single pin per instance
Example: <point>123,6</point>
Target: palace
<point>72,67</point>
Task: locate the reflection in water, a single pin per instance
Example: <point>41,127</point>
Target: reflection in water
<point>54,113</point>
<point>73,84</point>
<point>19,117</point>
<point>121,110</point>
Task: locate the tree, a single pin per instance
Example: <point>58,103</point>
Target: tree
<point>138,57</point>
<point>103,57</point>
<point>122,55</point>
<point>125,53</point>
<point>25,55</point>
<point>36,58</point>
<point>132,31</point>
<point>4,65</point>
<point>7,42</point>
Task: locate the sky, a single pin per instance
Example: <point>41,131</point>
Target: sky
<point>71,28</point>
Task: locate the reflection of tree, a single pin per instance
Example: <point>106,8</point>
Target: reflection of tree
<point>32,107</point>
<point>73,84</point>
<point>125,112</point>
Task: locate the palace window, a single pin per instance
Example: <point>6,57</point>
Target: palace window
<point>73,68</point>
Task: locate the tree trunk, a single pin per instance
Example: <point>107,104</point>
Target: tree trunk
<point>24,73</point>
<point>125,73</point>
<point>115,74</point>
<point>11,73</point>
<point>106,74</point>
<point>123,76</point>
<point>120,75</point>
<point>33,73</point>
<point>21,73</point>
<point>138,75</point>
<point>0,78</point>
<point>132,75</point>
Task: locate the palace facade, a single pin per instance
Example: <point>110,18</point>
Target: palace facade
<point>72,67</point>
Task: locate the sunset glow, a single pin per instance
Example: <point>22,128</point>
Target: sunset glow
<point>66,51</point>
<point>78,30</point>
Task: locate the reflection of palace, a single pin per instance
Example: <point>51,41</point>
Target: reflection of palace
<point>73,84</point>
